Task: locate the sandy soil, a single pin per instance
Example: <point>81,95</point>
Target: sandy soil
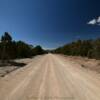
<point>51,77</point>
<point>91,64</point>
<point>4,70</point>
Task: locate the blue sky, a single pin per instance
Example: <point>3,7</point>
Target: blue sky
<point>49,23</point>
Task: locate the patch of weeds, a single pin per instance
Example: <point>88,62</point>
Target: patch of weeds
<point>2,75</point>
<point>83,66</point>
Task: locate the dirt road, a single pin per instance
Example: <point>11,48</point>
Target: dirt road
<point>50,77</point>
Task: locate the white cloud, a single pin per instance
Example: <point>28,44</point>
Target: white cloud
<point>92,22</point>
<point>98,20</point>
<point>95,21</point>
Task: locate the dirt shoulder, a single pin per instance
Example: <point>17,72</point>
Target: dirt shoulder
<point>14,65</point>
<point>86,63</point>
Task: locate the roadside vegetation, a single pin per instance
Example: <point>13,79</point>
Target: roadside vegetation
<point>11,49</point>
<point>84,48</point>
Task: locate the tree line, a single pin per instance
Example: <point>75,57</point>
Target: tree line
<point>84,48</point>
<point>11,49</point>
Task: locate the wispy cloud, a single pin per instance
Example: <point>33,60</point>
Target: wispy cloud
<point>94,21</point>
<point>98,20</point>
